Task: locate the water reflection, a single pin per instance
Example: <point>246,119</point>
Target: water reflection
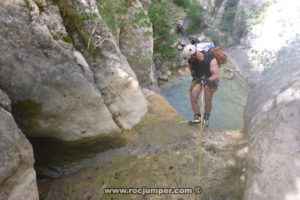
<point>228,101</point>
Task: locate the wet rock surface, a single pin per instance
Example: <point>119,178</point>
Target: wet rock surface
<point>164,152</point>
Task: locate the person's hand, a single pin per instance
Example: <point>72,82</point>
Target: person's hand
<point>205,81</point>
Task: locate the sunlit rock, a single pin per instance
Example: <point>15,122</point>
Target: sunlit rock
<point>272,118</point>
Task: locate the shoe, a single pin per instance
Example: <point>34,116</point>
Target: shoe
<point>205,121</point>
<point>197,120</point>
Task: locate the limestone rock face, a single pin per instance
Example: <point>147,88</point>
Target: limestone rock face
<point>133,36</point>
<point>55,92</point>
<point>137,46</point>
<point>71,91</point>
<point>272,118</point>
<point>17,176</point>
<point>211,6</point>
<point>113,75</point>
<point>5,102</point>
<point>50,92</point>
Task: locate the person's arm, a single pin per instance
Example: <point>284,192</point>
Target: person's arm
<point>214,69</point>
<point>191,69</point>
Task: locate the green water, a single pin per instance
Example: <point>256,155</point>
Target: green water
<point>228,101</point>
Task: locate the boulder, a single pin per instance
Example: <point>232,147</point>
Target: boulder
<point>17,176</point>
<point>113,75</point>
<point>51,94</point>
<point>70,102</point>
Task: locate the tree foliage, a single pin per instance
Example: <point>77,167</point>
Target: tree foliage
<point>164,38</point>
<point>195,15</point>
<point>117,14</point>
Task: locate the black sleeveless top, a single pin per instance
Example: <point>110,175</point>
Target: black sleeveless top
<point>203,68</point>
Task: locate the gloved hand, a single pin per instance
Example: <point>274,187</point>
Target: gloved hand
<point>205,81</point>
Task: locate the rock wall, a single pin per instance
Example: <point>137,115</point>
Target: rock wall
<point>50,93</point>
<point>268,56</point>
<point>56,90</point>
<point>17,176</point>
<point>71,87</point>
<point>211,7</point>
<point>272,119</point>
<point>113,75</point>
<point>137,46</point>
<point>131,29</point>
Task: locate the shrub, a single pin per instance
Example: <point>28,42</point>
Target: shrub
<point>162,21</point>
<point>182,3</point>
<point>229,16</point>
<point>195,16</point>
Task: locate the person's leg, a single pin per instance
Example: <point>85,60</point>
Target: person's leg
<point>194,95</point>
<point>208,93</point>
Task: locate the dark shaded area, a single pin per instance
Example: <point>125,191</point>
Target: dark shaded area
<point>54,157</point>
<point>228,18</point>
<point>25,114</point>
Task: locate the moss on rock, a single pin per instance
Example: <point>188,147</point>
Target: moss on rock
<point>73,20</point>
<point>25,113</point>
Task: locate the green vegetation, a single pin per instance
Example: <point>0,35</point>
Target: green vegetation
<point>162,21</point>
<point>73,21</point>
<point>218,4</point>
<point>256,14</point>
<point>113,13</point>
<point>27,3</point>
<point>182,3</point>
<point>236,29</point>
<point>25,113</point>
<point>67,38</point>
<point>117,14</point>
<point>241,26</point>
<point>195,15</point>
<point>230,11</point>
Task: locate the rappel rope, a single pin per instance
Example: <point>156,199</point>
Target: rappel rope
<point>200,135</point>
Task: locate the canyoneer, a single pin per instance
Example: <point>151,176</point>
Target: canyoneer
<point>204,68</point>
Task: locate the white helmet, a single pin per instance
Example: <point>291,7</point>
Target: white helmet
<point>188,51</point>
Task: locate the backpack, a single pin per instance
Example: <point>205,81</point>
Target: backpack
<point>220,56</point>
